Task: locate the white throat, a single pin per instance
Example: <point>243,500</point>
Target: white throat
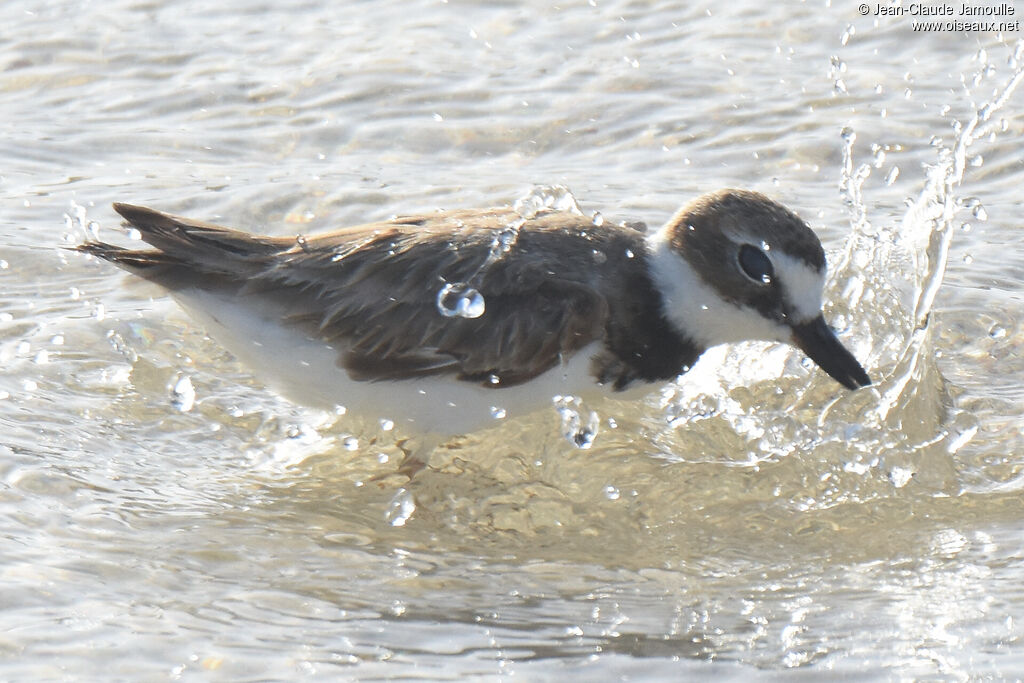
<point>694,306</point>
<point>802,285</point>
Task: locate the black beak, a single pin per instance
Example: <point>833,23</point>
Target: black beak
<point>819,342</point>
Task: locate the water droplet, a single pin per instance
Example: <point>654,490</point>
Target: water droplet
<point>997,332</point>
<point>599,256</point>
<point>575,432</point>
<point>856,467</point>
<point>879,155</point>
<point>183,394</point>
<point>597,219</point>
<point>966,227</point>
<point>42,357</point>
<point>383,458</point>
<point>504,241</point>
<point>457,299</point>
<point>57,340</point>
<point>892,175</point>
<point>977,161</point>
<point>979,212</point>
<point>400,508</point>
<point>386,425</point>
<point>968,259</point>
<point>350,443</point>
<point>438,117</point>
<point>498,413</point>
<point>630,254</point>
<point>849,31</point>
<point>900,476</point>
<point>611,493</point>
<point>303,242</point>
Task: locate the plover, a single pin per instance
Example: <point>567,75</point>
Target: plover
<point>442,321</point>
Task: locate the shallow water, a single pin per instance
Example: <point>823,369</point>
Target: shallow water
<point>751,520</point>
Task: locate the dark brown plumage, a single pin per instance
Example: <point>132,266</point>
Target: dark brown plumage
<point>371,291</point>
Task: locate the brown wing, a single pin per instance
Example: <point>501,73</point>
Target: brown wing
<point>372,290</point>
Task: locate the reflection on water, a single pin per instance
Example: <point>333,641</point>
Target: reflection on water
<point>164,515</point>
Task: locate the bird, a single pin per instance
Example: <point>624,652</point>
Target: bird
<point>444,321</point>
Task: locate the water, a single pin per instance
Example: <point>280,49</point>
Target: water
<point>751,520</point>
<point>458,299</point>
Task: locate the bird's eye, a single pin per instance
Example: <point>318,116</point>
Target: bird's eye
<point>756,265</point>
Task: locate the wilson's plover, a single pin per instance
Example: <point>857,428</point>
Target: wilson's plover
<point>443,321</point>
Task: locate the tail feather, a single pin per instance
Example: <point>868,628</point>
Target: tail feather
<point>186,251</point>
<point>191,240</point>
<point>132,259</point>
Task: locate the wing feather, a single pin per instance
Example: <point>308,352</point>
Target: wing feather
<point>372,290</point>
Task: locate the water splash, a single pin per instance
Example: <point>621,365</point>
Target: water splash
<point>881,291</point>
<point>541,199</point>
<point>463,299</point>
<point>937,205</point>
<point>77,226</point>
<point>544,198</point>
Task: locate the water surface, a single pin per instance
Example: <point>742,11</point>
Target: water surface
<point>752,519</point>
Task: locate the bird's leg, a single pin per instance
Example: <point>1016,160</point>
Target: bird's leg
<point>415,456</point>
